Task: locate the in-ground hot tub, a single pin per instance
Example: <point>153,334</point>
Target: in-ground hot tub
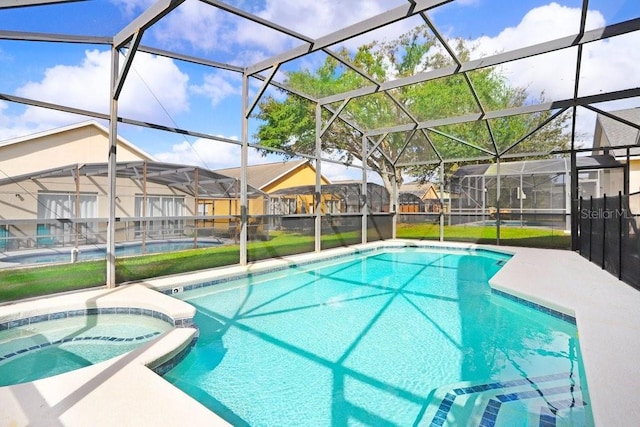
<point>51,336</point>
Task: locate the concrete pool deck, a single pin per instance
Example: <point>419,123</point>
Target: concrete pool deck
<point>110,393</point>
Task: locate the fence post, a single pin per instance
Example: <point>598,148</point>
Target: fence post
<point>604,230</point>
<point>580,226</point>
<point>620,234</point>
<point>590,228</point>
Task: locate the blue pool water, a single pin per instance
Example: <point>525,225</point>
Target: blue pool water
<point>400,337</point>
<point>44,349</point>
<point>64,255</point>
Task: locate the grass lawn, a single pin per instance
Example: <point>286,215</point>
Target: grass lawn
<point>509,236</point>
<point>32,281</point>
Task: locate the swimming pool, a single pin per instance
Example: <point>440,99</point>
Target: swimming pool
<point>89,253</point>
<point>43,349</point>
<point>395,337</point>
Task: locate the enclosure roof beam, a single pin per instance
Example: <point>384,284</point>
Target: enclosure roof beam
<point>50,106</point>
<point>26,3</point>
<point>128,62</point>
<point>241,13</point>
<point>501,58</point>
<point>437,162</point>
<point>333,118</point>
<point>54,38</point>
<point>536,129</point>
<point>149,17</point>
<point>613,117</point>
<point>170,172</point>
<point>461,141</point>
<point>262,89</point>
<point>427,124</point>
<point>527,109</point>
<point>351,31</point>
<point>188,58</point>
<point>102,116</point>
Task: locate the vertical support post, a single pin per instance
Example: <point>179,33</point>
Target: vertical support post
<point>394,205</point>
<point>574,189</point>
<point>364,192</point>
<point>145,221</point>
<point>625,169</point>
<point>76,224</point>
<point>498,201</point>
<point>521,195</point>
<point>318,189</point>
<point>112,172</point>
<point>244,160</point>
<point>484,199</point>
<point>441,216</point>
<point>196,203</point>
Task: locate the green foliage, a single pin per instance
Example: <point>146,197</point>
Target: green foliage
<point>289,123</point>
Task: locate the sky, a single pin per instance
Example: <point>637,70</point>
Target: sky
<point>188,96</point>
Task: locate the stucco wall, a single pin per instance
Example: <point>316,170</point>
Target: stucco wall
<point>86,144</point>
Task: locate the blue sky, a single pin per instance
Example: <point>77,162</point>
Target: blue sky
<point>175,93</point>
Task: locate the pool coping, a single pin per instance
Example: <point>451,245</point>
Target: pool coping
<point>562,281</point>
<point>108,393</point>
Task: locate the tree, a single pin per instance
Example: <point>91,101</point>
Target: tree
<point>289,124</point>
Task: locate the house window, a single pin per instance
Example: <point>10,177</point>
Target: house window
<point>166,211</point>
<point>62,206</point>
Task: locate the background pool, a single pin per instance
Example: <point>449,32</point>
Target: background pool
<point>44,349</point>
<point>84,254</point>
<point>395,338</point>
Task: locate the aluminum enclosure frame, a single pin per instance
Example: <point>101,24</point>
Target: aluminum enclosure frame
<point>127,42</point>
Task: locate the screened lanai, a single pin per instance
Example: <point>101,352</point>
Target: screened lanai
<point>65,207</point>
<point>533,192</point>
<point>386,118</point>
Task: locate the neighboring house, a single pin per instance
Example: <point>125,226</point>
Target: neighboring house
<point>421,197</point>
<point>53,191</point>
<point>86,142</point>
<point>273,178</point>
<point>611,133</point>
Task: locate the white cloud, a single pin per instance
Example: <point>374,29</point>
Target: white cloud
<point>217,87</point>
<point>197,24</point>
<point>335,172</point>
<point>130,7</point>
<point>209,153</point>
<point>155,88</point>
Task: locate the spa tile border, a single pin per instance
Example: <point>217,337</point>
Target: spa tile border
<point>15,323</point>
<point>77,339</point>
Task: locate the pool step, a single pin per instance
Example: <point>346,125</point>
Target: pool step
<point>549,400</point>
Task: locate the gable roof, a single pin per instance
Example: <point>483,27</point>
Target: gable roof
<point>421,190</point>
<point>613,133</point>
<point>143,154</point>
<point>260,176</point>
